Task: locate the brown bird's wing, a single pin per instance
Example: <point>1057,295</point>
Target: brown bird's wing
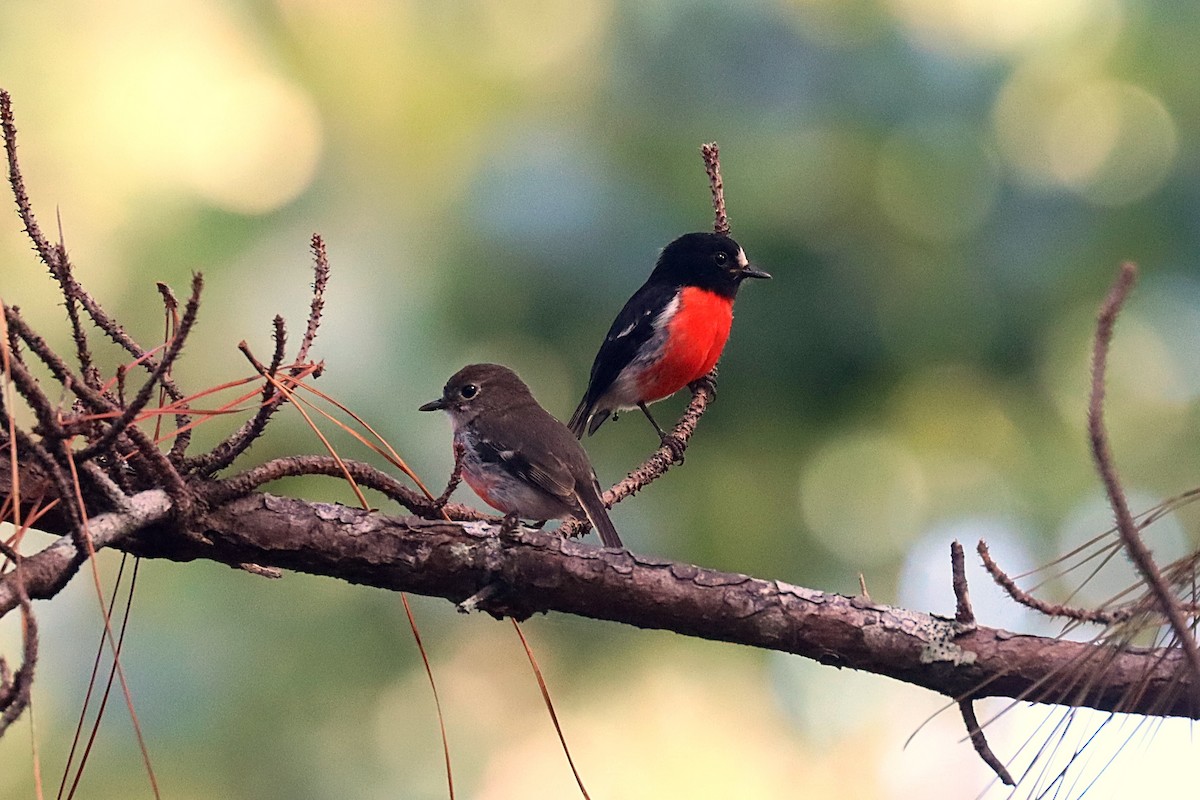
<point>555,462</point>
<point>537,458</point>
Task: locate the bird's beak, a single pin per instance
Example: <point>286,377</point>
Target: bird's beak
<point>434,405</point>
<point>752,272</point>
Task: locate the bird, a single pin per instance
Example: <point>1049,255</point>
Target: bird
<point>515,455</point>
<point>671,331</point>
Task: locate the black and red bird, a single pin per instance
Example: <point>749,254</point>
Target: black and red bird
<point>670,333</point>
<point>515,455</point>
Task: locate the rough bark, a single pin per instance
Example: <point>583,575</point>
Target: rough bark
<point>537,571</point>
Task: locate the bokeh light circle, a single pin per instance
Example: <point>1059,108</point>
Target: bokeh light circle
<point>1111,142</point>
<point>864,498</point>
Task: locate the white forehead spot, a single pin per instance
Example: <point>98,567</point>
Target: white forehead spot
<point>741,259</point>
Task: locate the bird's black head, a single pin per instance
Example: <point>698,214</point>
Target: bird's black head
<point>708,260</point>
<point>477,387</point>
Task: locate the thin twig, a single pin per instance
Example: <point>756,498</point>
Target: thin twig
<point>712,165</point>
<point>320,281</point>
<point>228,450</point>
<point>24,207</point>
<point>14,693</point>
<point>62,273</point>
<point>460,452</point>
<point>1101,451</point>
<point>124,423</point>
<point>20,330</point>
<point>965,616</point>
<point>1098,616</point>
<point>155,463</point>
<point>962,598</point>
<point>979,741</point>
<point>218,492</point>
<point>183,427</point>
<point>704,391</point>
<point>117,334</point>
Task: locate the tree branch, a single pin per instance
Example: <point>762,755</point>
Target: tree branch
<point>544,572</point>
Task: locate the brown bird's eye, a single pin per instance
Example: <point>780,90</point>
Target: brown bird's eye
<point>721,258</point>
<point>469,391</point>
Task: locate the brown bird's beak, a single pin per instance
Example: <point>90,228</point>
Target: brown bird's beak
<point>434,405</point>
<point>752,272</point>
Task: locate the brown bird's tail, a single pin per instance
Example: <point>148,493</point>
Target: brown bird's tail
<point>597,514</point>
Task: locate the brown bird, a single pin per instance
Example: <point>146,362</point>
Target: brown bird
<point>516,456</point>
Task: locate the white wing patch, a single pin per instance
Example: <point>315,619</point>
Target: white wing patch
<point>665,315</point>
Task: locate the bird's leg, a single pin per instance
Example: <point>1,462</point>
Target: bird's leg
<point>650,417</point>
<point>509,525</point>
<point>674,443</point>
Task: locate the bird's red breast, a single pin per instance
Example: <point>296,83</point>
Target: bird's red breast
<point>696,335</point>
<point>484,486</point>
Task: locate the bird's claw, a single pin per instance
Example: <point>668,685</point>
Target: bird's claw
<point>676,445</point>
<point>708,383</point>
<point>509,526</point>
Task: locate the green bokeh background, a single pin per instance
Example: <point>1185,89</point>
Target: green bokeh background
<point>943,190</point>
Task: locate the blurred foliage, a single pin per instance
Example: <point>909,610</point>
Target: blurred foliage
<point>943,190</point>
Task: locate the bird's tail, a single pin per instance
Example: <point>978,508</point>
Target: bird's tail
<point>597,514</point>
<point>579,419</point>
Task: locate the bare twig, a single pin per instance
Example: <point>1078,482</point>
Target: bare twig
<point>962,598</point>
<point>24,208</point>
<point>237,443</point>
<point>15,688</point>
<point>712,165</point>
<point>183,427</point>
<point>1101,451</point>
<point>320,280</point>
<point>228,450</point>
<point>1098,616</point>
<point>49,569</point>
<point>62,273</point>
<point>218,492</point>
<point>152,461</point>
<point>980,743</point>
<point>460,452</point>
<point>124,422</point>
<point>965,615</point>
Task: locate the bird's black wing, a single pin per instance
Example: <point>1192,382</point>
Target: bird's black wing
<point>632,328</point>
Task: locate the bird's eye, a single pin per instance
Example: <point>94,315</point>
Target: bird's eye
<point>469,391</point>
<point>721,258</point>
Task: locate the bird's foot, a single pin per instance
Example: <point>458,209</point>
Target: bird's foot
<point>708,383</point>
<point>509,526</point>
<point>676,445</point>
